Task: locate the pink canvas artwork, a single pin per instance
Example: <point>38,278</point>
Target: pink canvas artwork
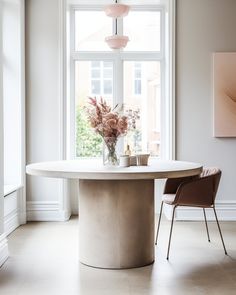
<point>224,88</point>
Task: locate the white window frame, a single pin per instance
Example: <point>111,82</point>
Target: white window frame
<point>166,57</point>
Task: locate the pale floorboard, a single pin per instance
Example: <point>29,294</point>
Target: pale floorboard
<point>44,260</point>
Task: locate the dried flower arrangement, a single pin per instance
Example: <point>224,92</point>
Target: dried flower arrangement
<point>109,123</point>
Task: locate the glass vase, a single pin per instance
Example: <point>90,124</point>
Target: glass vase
<point>110,157</point>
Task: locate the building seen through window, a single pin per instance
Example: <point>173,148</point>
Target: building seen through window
<point>101,78</point>
<point>137,78</point>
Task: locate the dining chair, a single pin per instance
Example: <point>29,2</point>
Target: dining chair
<point>197,191</point>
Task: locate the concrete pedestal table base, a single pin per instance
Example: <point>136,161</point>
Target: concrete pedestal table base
<point>116,223</point>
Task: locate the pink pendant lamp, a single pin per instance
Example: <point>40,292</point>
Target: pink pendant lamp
<point>117,10</point>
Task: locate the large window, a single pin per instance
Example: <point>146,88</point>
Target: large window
<point>134,76</point>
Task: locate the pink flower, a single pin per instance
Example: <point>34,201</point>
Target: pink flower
<point>107,123</point>
<point>110,115</point>
<point>111,123</point>
<point>93,101</point>
<point>122,125</point>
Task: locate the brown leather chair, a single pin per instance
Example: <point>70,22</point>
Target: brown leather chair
<point>199,191</point>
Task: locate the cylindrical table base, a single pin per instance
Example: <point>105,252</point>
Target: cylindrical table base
<point>116,223</point>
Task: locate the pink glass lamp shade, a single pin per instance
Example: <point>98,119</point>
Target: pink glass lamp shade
<point>117,10</point>
<point>117,41</point>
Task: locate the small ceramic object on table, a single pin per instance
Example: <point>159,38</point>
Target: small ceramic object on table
<point>142,159</point>
<point>124,161</point>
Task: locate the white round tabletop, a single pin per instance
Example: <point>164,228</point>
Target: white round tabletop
<point>94,169</point>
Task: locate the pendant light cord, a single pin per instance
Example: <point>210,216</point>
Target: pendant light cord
<point>116,1</point>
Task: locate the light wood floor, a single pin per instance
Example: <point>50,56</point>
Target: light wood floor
<point>44,260</point>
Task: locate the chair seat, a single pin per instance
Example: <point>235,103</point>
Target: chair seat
<point>168,198</point>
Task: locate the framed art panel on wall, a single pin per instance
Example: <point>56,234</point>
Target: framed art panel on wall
<point>224,93</point>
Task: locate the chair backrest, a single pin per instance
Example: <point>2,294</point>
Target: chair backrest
<point>172,184</point>
<point>215,174</point>
<point>200,191</point>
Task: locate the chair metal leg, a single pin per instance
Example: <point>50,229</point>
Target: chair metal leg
<point>208,236</point>
<point>159,221</point>
<point>220,230</point>
<point>173,215</point>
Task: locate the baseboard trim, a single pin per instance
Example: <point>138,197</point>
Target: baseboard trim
<point>22,217</point>
<point>226,211</point>
<point>11,222</point>
<point>11,211</point>
<point>50,211</point>
<point>45,211</point>
<point>3,249</point>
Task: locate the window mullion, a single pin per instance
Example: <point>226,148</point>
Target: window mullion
<point>72,110</point>
<point>71,104</point>
<point>72,35</point>
<point>141,55</point>
<point>90,55</point>
<point>118,80</point>
<point>102,78</point>
<point>164,115</point>
<point>118,92</point>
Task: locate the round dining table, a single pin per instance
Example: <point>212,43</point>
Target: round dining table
<point>116,207</point>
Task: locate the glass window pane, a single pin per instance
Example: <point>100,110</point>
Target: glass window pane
<point>96,87</point>
<point>137,74</point>
<point>107,64</point>
<point>95,64</point>
<point>145,34</point>
<point>137,65</point>
<point>145,134</point>
<point>137,86</point>
<point>107,73</point>
<point>88,143</point>
<point>91,28</point>
<point>107,87</point>
<point>95,73</point>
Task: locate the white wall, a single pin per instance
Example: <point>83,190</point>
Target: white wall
<point>3,241</point>
<point>1,130</point>
<point>203,27</point>
<point>43,104</point>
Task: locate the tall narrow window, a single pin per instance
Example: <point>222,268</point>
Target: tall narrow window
<point>92,78</point>
<point>146,103</point>
<point>134,76</point>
